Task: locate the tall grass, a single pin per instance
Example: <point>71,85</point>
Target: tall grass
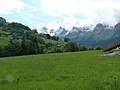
<point>86,70</point>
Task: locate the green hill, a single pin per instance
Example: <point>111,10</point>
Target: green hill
<point>17,30</point>
<point>66,71</point>
<point>4,41</point>
<point>17,39</point>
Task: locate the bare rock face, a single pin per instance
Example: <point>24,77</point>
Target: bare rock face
<point>99,28</point>
<point>61,32</point>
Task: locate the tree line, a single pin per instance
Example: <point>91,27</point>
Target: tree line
<point>32,46</point>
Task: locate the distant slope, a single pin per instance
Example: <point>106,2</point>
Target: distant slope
<point>16,31</point>
<point>53,41</point>
<point>101,34</point>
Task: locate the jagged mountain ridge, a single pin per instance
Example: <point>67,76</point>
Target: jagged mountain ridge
<point>101,34</point>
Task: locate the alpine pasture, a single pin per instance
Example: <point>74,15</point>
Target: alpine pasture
<point>86,70</point>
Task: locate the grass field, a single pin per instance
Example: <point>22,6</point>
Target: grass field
<point>53,41</point>
<point>69,71</point>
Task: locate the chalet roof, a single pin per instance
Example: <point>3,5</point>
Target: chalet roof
<point>111,46</point>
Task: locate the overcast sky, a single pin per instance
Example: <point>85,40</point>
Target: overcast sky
<point>55,13</point>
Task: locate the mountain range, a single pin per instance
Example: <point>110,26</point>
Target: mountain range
<point>100,35</point>
<point>90,35</point>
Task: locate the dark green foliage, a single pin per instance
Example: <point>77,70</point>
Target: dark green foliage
<point>2,51</point>
<point>27,47</point>
<point>18,25</point>
<point>41,48</point>
<point>35,31</point>
<point>82,47</point>
<point>90,48</point>
<point>17,28</point>
<point>55,38</point>
<point>40,40</point>
<point>14,48</point>
<point>54,48</point>
<point>66,39</point>
<point>98,48</point>
<point>35,46</point>
<point>49,48</point>
<point>29,35</point>
<point>2,21</point>
<point>48,36</point>
<point>32,35</point>
<point>31,47</point>
<point>71,47</point>
<point>59,49</point>
<point>48,45</point>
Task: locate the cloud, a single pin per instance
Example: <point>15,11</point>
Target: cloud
<point>117,15</point>
<point>94,11</point>
<point>12,21</point>
<point>65,13</point>
<point>67,23</point>
<point>7,6</point>
<point>51,25</point>
<point>31,15</point>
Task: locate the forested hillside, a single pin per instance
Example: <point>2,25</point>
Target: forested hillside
<point>18,39</point>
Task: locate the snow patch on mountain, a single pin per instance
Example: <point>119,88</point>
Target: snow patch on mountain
<point>43,30</point>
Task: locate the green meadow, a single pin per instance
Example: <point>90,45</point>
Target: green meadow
<point>86,70</point>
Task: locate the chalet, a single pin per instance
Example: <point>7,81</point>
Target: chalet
<point>111,46</point>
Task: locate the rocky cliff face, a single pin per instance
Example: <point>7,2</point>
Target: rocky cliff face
<point>101,34</point>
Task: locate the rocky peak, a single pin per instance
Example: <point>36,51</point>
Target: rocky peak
<point>117,27</point>
<point>44,30</point>
<point>99,28</point>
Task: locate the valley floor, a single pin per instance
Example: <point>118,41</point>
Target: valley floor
<point>86,70</point>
